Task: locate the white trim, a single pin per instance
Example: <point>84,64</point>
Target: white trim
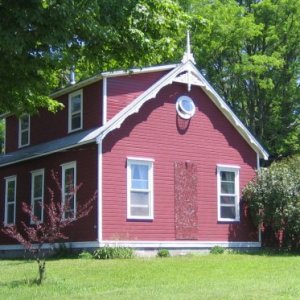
<point>100,192</point>
<point>7,180</point>
<point>33,174</point>
<point>104,101</point>
<point>236,194</point>
<point>146,244</point>
<point>70,114</point>
<point>257,162</point>
<point>140,158</point>
<point>150,191</point>
<point>100,76</point>
<point>64,167</point>
<point>20,132</point>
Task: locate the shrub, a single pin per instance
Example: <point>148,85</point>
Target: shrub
<point>113,252</point>
<point>85,255</point>
<point>217,250</point>
<point>163,253</point>
<point>273,198</point>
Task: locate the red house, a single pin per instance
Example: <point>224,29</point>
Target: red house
<point>166,154</point>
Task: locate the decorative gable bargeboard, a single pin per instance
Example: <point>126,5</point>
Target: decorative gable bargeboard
<point>165,153</point>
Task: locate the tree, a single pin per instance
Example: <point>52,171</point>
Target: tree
<point>273,198</point>
<point>34,237</point>
<point>42,39</point>
<point>249,50</point>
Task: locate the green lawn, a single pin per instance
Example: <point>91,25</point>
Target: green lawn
<point>228,276</point>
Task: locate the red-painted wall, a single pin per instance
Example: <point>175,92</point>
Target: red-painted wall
<point>156,132</point>
<point>86,160</point>
<point>124,89</point>
<point>47,126</point>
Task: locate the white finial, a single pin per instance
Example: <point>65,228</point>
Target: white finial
<point>188,55</point>
<point>188,45</point>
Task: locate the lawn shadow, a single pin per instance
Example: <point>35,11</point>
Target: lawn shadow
<point>19,283</point>
<point>267,252</point>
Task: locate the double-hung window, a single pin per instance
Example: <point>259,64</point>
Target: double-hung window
<point>139,188</point>
<point>75,111</point>
<point>37,195</point>
<point>10,200</point>
<point>24,130</point>
<point>69,190</point>
<point>228,193</point>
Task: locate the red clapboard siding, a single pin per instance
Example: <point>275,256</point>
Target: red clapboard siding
<point>86,160</point>
<point>124,89</point>
<point>156,132</point>
<point>47,126</point>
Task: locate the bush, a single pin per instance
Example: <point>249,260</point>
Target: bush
<point>217,250</point>
<point>113,252</point>
<point>273,198</point>
<point>85,255</point>
<point>163,253</point>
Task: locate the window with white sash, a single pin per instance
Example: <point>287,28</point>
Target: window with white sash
<point>228,178</point>
<point>75,111</point>
<point>10,200</point>
<point>69,189</point>
<point>37,195</point>
<point>24,130</point>
<point>139,188</point>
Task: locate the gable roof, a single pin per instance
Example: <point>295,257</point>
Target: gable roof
<point>187,73</point>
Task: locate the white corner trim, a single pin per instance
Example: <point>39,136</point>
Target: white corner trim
<point>100,193</point>
<point>104,101</point>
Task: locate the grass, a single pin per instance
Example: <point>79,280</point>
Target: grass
<point>228,276</point>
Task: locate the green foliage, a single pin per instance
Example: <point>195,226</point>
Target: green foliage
<point>274,201</point>
<point>249,51</point>
<point>85,255</point>
<point>217,250</point>
<point>41,40</point>
<point>113,252</point>
<point>163,253</point>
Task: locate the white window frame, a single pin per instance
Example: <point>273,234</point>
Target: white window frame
<point>65,167</point>
<point>70,114</point>
<point>22,131</point>
<point>34,199</point>
<point>236,170</point>
<point>7,180</point>
<point>149,163</point>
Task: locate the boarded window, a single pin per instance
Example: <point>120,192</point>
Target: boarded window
<point>186,219</point>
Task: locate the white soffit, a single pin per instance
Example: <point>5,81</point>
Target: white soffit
<point>188,74</point>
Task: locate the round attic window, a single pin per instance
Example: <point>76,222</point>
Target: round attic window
<point>185,107</point>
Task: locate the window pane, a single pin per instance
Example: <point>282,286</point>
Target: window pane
<point>69,180</point>
<point>24,138</point>
<point>227,176</point>
<point>228,212</point>
<point>227,187</point>
<point>38,186</point>
<point>139,177</point>
<point>76,104</point>
<point>140,211</point>
<point>10,213</point>
<point>76,121</point>
<point>37,210</point>
<point>11,191</point>
<point>227,200</point>
<point>69,206</point>
<point>138,198</point>
<point>24,122</point>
